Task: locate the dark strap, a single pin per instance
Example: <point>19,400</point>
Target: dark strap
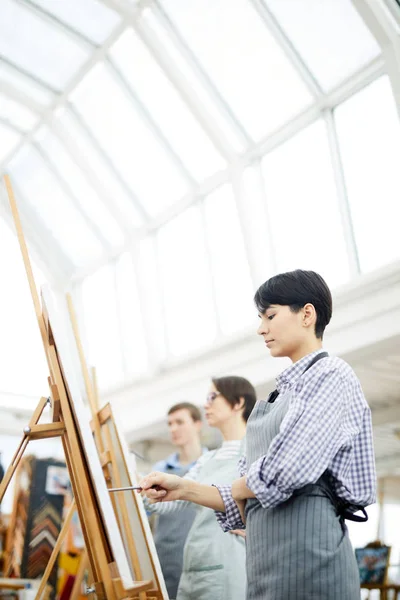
<point>273,395</point>
<point>347,514</point>
<point>346,511</point>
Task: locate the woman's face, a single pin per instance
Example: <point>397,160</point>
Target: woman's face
<point>282,330</point>
<point>217,409</point>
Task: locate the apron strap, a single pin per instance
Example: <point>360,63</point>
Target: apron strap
<point>347,514</point>
<point>273,395</point>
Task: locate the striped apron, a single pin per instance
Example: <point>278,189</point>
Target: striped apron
<point>300,549</point>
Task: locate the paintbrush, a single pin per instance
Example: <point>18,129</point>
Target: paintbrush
<point>133,487</point>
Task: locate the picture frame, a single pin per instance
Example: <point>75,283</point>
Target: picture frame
<point>373,564</point>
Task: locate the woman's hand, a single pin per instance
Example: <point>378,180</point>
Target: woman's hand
<point>239,532</point>
<point>160,487</point>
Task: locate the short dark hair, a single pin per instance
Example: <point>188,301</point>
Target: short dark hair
<point>233,388</point>
<point>296,289</point>
<point>193,410</point>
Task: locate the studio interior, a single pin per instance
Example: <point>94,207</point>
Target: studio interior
<point>190,191</point>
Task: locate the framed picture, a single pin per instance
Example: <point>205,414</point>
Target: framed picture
<point>373,563</point>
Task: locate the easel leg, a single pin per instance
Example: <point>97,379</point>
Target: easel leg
<point>76,588</point>
<point>13,466</point>
<point>21,448</point>
<point>56,550</point>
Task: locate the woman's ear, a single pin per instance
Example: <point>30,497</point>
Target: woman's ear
<point>240,404</point>
<point>309,315</point>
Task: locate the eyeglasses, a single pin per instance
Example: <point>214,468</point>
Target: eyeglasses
<point>211,397</point>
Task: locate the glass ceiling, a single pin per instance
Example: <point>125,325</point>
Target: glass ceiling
<point>169,155</point>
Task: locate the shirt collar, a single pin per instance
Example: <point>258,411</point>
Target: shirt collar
<point>173,460</point>
<point>292,373</point>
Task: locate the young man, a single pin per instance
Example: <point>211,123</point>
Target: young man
<point>309,457</point>
<point>184,424</point>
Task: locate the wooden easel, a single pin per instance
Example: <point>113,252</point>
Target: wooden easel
<point>107,583</point>
<point>113,457</point>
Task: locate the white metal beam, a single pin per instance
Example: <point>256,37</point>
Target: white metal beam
<point>130,15</point>
<point>284,42</point>
<point>15,94</point>
<point>342,92</point>
<point>260,268</point>
<point>209,263</point>
<point>151,124</point>
<point>47,116</point>
<point>28,75</point>
<point>77,156</point>
<point>107,159</point>
<point>210,125</point>
<point>45,248</point>
<point>178,80</point>
<point>120,327</point>
<point>296,124</point>
<point>144,281</point>
<point>67,189</point>
<point>383,20</point>
<point>344,207</point>
<point>11,126</point>
<point>245,223</point>
<point>55,22</point>
<point>201,73</point>
<point>62,98</point>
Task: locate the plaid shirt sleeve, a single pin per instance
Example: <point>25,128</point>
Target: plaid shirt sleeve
<point>230,519</point>
<point>327,426</point>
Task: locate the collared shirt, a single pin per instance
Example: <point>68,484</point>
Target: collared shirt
<point>169,463</point>
<point>327,427</point>
<point>172,463</point>
<point>227,450</point>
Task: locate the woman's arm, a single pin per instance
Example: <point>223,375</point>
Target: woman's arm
<point>240,491</point>
<point>318,432</point>
<point>160,487</point>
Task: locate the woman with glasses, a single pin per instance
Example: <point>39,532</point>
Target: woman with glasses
<point>309,461</point>
<point>213,562</point>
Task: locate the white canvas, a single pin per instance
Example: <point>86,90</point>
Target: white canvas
<point>137,520</point>
<point>59,319</point>
<point>139,524</point>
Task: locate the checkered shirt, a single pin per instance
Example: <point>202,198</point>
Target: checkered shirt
<point>327,427</point>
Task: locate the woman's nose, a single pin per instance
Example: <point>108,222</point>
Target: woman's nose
<point>261,329</point>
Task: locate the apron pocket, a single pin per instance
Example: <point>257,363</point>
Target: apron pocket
<point>205,569</point>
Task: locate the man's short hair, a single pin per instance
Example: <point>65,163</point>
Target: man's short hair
<point>296,289</point>
<point>193,410</point>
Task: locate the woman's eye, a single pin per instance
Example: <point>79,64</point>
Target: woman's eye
<point>270,317</point>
